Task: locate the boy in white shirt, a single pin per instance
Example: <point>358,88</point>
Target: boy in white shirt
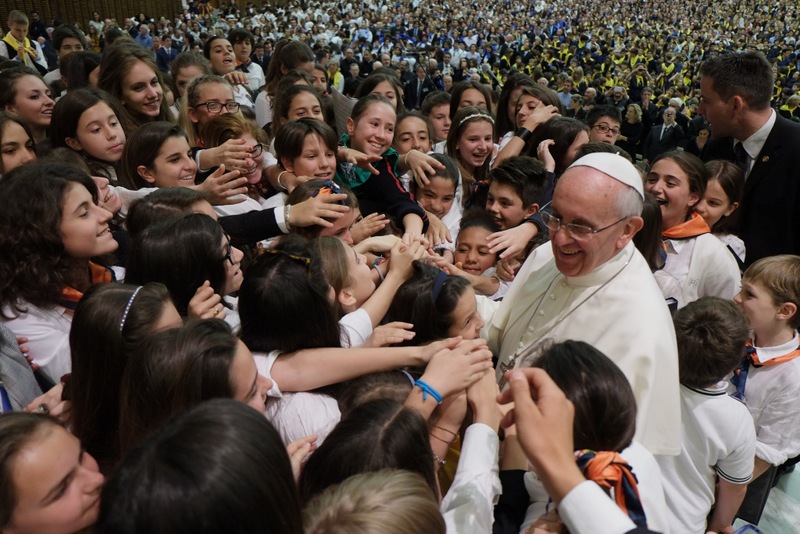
<point>768,380</point>
<point>718,439</point>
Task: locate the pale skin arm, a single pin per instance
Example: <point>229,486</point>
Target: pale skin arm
<point>309,369</point>
<point>400,269</point>
<point>515,146</point>
<point>512,241</point>
<point>413,227</point>
<point>729,499</point>
<point>760,467</point>
<point>544,418</point>
<point>451,371</point>
<point>482,285</point>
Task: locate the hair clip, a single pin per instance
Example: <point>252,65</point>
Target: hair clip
<point>329,188</point>
<point>128,308</point>
<point>441,278</point>
<point>305,261</point>
<point>476,116</point>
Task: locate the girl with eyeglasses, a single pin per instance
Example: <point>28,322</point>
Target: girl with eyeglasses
<point>206,97</point>
<point>230,127</point>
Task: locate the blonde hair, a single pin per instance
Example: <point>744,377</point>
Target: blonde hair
<point>780,277</point>
<point>382,502</point>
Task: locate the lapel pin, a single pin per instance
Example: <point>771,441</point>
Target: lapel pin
<point>765,159</point>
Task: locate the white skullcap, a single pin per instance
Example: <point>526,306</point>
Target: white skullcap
<point>615,166</point>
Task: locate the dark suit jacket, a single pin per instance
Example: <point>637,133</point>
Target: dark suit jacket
<point>653,146</point>
<point>163,59</point>
<point>769,217</point>
<point>411,91</point>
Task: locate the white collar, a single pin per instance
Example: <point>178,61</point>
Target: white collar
<point>766,354</point>
<point>753,144</point>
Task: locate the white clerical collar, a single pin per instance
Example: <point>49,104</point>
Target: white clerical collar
<point>753,144</point>
<point>605,272</point>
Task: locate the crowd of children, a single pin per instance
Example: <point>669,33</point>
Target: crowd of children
<point>222,314</point>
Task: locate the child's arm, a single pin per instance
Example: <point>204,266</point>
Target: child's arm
<point>483,285</point>
<point>400,269</point>
<point>760,467</point>
<point>420,164</point>
<point>309,369</point>
<point>729,499</point>
<point>516,144</point>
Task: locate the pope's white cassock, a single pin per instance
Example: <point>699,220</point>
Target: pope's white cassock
<point>619,309</point>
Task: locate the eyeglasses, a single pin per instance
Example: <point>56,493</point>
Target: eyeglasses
<point>257,150</point>
<point>602,128</point>
<point>578,232</point>
<point>228,250</point>
<point>216,107</point>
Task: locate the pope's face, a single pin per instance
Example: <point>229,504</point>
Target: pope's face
<point>586,196</point>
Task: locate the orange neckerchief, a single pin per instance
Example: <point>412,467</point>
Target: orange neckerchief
<point>753,354</point>
<point>71,296</point>
<point>610,471</point>
<point>692,227</point>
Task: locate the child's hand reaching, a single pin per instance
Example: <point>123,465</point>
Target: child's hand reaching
<point>316,209</point>
<point>368,226</point>
<point>206,304</point>
<point>356,157</point>
<point>223,188</point>
<point>403,257</point>
<point>438,233</point>
<point>453,370</point>
<point>421,165</point>
<point>482,397</point>
<point>390,334</point>
<point>512,241</point>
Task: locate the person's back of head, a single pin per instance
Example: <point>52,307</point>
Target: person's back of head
<point>605,408</point>
<point>711,334</point>
<point>219,467</point>
<point>384,502</point>
<point>593,147</point>
<point>164,204</point>
<point>376,435</point>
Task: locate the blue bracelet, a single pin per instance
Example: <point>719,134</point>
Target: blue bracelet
<point>427,389</point>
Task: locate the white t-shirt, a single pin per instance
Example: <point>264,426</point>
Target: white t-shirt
<point>772,395</point>
<point>717,438</point>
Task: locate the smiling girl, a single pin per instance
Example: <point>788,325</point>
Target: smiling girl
<point>86,122</point>
<point>130,75</point>
<point>50,229</point>
<point>696,259</point>
<point>24,93</point>
<point>470,144</point>
<point>17,146</point>
<point>370,130</point>
<point>722,197</point>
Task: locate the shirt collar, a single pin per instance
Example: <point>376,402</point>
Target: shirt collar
<point>754,143</point>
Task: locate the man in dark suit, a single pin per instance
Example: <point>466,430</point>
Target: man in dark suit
<point>418,88</point>
<point>166,54</point>
<point>662,137</point>
<point>736,90</point>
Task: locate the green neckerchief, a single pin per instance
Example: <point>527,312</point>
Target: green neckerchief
<point>351,175</point>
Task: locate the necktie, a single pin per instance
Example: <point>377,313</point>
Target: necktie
<point>419,93</point>
<point>741,158</point>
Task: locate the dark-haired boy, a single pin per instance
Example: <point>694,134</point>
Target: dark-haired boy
<point>718,438</point>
